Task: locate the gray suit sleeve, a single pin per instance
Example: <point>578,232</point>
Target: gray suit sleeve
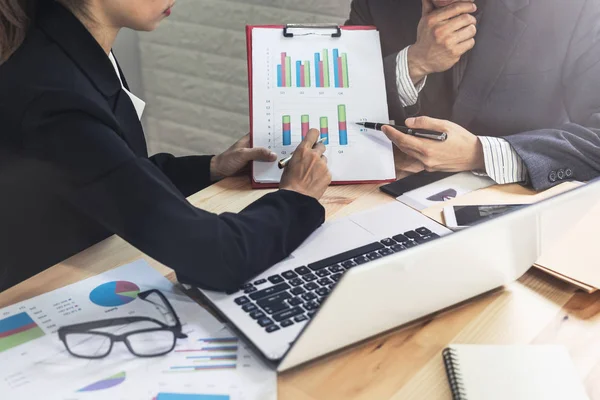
<point>571,151</point>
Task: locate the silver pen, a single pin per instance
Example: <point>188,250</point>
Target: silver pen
<point>284,162</point>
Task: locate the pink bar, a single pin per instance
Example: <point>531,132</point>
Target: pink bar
<point>305,129</point>
<point>340,72</point>
<point>283,70</point>
<point>343,126</point>
<point>321,77</point>
<point>287,127</point>
<point>302,80</point>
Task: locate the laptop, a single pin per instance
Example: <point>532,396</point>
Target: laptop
<point>370,272</point>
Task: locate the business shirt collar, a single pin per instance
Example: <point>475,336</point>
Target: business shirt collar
<point>79,44</point>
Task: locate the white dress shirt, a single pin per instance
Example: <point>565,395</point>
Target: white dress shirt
<point>502,163</point>
<point>138,103</point>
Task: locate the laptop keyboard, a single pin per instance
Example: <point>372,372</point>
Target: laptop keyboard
<point>295,295</point>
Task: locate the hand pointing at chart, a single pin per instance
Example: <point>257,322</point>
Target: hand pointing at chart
<point>307,172</point>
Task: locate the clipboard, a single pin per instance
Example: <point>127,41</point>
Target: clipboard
<point>287,33</point>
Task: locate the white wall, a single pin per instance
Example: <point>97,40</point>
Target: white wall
<point>194,68</point>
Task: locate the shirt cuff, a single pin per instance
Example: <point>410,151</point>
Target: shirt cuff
<point>502,163</point>
<point>407,91</point>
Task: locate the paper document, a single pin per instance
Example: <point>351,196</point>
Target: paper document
<point>316,81</point>
<point>211,361</point>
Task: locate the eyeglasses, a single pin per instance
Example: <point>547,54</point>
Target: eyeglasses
<point>155,339</point>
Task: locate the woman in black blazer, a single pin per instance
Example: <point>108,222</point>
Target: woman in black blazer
<point>74,167</point>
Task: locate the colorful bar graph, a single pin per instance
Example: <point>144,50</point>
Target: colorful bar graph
<point>299,73</point>
<point>340,69</point>
<point>287,130</point>
<point>343,127</point>
<point>305,119</point>
<point>17,330</point>
<point>325,130</point>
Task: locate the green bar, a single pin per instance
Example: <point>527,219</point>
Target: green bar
<point>17,339</point>
<point>324,122</point>
<point>342,113</point>
<point>287,119</point>
<point>288,71</point>
<point>307,73</point>
<point>305,119</point>
<point>326,67</point>
<point>345,70</point>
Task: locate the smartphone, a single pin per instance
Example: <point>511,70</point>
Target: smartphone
<point>412,182</point>
<point>460,217</point>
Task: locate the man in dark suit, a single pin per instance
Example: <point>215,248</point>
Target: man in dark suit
<point>515,83</point>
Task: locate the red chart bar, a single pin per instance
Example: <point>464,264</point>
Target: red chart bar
<point>284,70</point>
<point>302,77</point>
<point>321,74</point>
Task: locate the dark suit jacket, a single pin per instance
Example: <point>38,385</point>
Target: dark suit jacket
<point>74,169</point>
<point>533,78</point>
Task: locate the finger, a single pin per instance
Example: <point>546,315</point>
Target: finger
<point>320,149</point>
<point>460,22</point>
<point>324,158</point>
<point>259,154</point>
<point>311,138</point>
<point>453,10</point>
<point>465,46</point>
<point>403,141</point>
<point>464,34</point>
<point>427,7</point>
<point>429,123</point>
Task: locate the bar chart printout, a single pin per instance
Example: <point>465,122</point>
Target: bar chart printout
<point>18,329</point>
<point>286,127</point>
<point>343,127</point>
<point>302,75</point>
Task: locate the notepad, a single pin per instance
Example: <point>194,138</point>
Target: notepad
<point>535,372</point>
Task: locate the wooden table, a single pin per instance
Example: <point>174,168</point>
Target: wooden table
<point>407,363</point>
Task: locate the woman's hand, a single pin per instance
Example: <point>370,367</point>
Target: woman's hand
<point>236,158</point>
<point>462,151</point>
<point>307,171</point>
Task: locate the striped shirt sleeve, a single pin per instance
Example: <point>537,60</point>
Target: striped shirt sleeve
<point>407,91</point>
<point>502,163</point>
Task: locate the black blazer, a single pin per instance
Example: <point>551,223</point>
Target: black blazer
<point>74,169</point>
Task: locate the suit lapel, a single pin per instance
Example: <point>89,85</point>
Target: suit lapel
<point>499,33</point>
<point>131,127</point>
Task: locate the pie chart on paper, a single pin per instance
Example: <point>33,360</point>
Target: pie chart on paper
<point>113,294</point>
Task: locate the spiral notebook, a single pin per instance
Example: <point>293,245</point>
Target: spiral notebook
<point>535,372</point>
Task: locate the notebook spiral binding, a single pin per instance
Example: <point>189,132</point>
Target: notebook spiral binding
<point>454,376</point>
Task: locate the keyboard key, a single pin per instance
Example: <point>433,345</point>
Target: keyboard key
<point>322,273</point>
<point>297,290</point>
<point>320,300</point>
<point>423,231</point>
<point>260,282</point>
<point>311,314</point>
<point>398,248</point>
<point>349,264</point>
<point>311,286</point>
<point>302,270</point>
<point>300,318</point>
<point>247,286</point>
<point>265,322</point>
<point>309,296</point>
<point>409,244</point>
<point>345,256</point>
<point>324,282</point>
<point>286,323</point>
<point>322,291</point>
<point>311,305</point>
<point>249,307</point>
<point>242,300</point>
<point>330,287</point>
<point>427,238</point>
<point>401,239</point>
<point>296,301</point>
<point>290,313</point>
<point>275,279</point>
<point>250,290</point>
<point>289,275</point>
<point>411,235</point>
<point>361,260</point>
<point>337,277</point>
<point>296,282</point>
<point>257,314</point>
<point>272,328</point>
<point>276,298</point>
<point>335,269</point>
<point>269,291</point>
<point>373,256</point>
<point>388,242</point>
<point>386,252</point>
<point>309,277</point>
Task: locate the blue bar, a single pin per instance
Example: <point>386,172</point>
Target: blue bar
<point>181,396</point>
<point>15,322</point>
<point>343,138</point>
<point>298,75</point>
<point>317,75</point>
<point>279,80</point>
<point>287,138</point>
<point>336,71</point>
